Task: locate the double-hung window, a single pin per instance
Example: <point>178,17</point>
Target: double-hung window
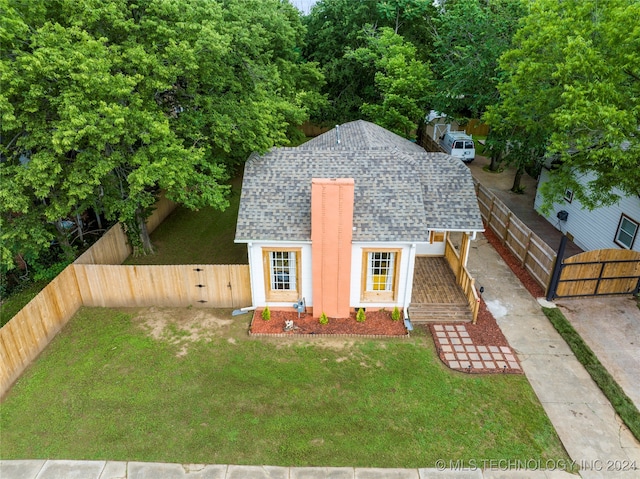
<point>282,274</point>
<point>380,275</point>
<point>626,232</point>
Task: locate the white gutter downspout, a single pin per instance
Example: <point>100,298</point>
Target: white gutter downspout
<point>249,248</point>
<point>409,280</point>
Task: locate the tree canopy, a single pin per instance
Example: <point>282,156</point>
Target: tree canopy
<point>338,27</point>
<point>469,37</point>
<point>104,103</point>
<point>571,90</point>
<point>402,82</point>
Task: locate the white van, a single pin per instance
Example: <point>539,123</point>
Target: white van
<point>459,145</point>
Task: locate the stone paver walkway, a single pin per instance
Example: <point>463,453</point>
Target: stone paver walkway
<point>459,352</point>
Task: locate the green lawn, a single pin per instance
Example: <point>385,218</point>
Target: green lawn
<point>202,237</point>
<point>623,405</point>
<point>204,392</point>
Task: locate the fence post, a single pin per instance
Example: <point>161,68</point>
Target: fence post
<point>526,249</point>
<point>557,269</point>
<point>490,214</point>
<point>506,227</point>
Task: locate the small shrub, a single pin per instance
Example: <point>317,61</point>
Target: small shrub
<point>360,316</point>
<point>323,319</point>
<point>50,272</point>
<point>266,313</point>
<point>395,315</point>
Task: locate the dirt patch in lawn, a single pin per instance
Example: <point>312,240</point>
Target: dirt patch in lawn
<point>377,323</point>
<point>183,326</point>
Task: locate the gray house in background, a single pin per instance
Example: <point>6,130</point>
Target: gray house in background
<point>615,227</point>
<point>342,220</point>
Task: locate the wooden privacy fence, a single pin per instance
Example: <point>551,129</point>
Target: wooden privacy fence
<point>534,255</point>
<point>599,272</point>
<point>216,286</point>
<point>113,247</point>
<point>463,278</point>
<point>29,331</point>
<point>476,127</point>
<point>96,278</point>
<point>311,130</point>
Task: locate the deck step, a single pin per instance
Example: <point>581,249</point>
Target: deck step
<point>439,313</point>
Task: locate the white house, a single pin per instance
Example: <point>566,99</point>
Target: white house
<point>340,220</point>
<point>603,228</point>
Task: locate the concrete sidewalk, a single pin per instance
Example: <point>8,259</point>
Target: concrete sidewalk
<point>590,430</point>
<point>40,469</point>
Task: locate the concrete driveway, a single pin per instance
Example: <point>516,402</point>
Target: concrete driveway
<point>610,325</point>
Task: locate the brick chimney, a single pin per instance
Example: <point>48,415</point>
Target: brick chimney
<point>331,234</point>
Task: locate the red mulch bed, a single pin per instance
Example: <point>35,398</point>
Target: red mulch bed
<point>486,331</point>
<point>525,278</point>
<point>378,323</point>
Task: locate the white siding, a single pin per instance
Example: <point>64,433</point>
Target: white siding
<point>430,249</point>
<point>595,229</point>
<point>405,277</point>
<point>257,272</point>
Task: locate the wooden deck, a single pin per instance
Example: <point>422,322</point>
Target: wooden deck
<point>436,297</point>
<point>434,282</point>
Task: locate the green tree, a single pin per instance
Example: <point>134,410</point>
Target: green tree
<point>105,103</point>
<point>571,89</point>
<point>335,27</point>
<point>402,82</point>
<point>469,37</point>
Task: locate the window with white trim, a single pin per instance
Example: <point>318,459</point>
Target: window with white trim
<point>282,274</point>
<point>283,270</point>
<point>381,265</point>
<point>380,275</point>
<point>626,232</point>
<point>568,195</point>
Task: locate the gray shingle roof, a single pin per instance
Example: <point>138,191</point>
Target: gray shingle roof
<point>401,191</point>
<point>361,135</point>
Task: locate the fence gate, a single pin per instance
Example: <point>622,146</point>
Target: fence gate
<point>593,273</point>
<point>214,286</point>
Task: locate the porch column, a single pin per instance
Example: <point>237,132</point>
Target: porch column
<point>331,234</point>
<point>465,242</point>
